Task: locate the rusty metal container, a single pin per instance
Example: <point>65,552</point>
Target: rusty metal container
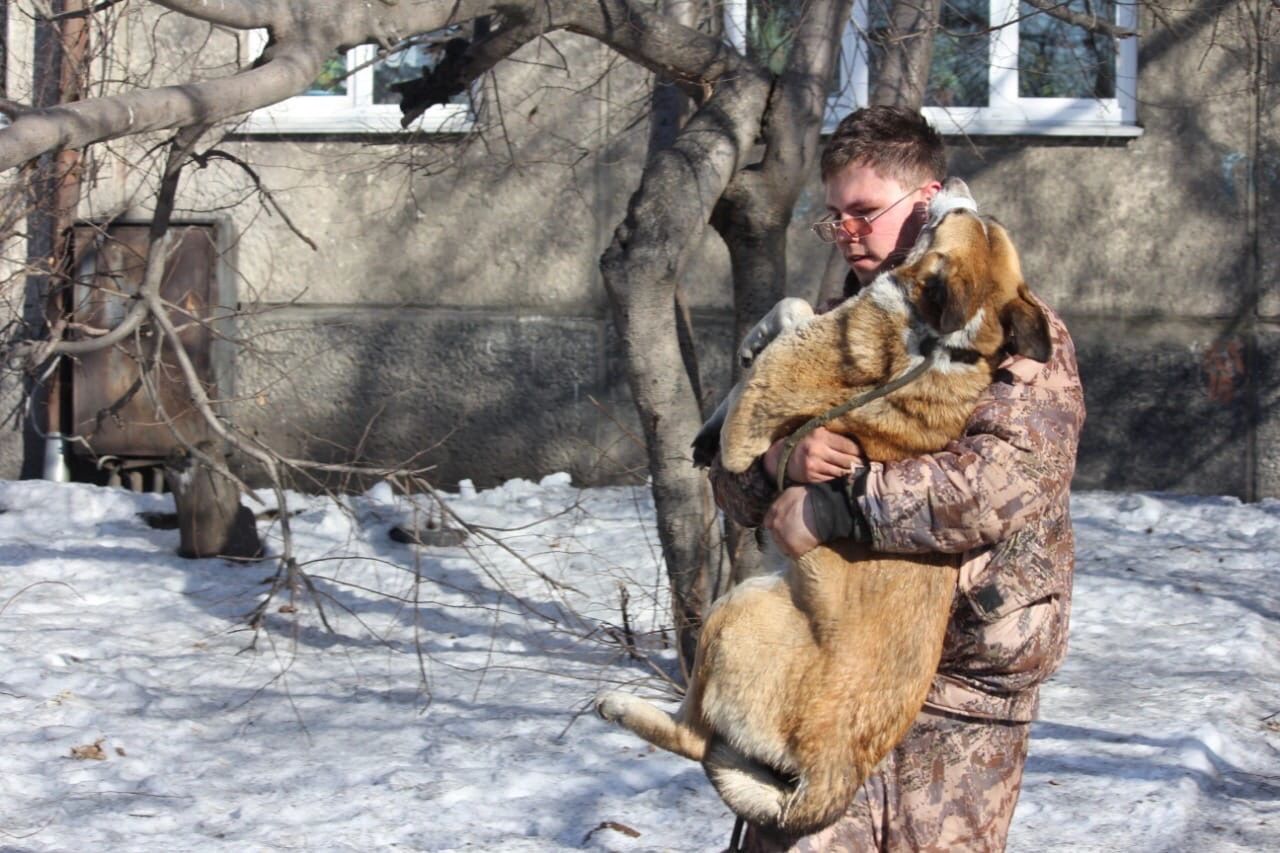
<point>112,412</point>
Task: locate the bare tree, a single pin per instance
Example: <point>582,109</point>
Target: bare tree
<point>735,135</point>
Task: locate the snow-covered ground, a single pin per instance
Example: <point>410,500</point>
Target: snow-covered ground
<point>446,711</point>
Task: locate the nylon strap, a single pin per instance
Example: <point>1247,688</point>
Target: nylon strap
<point>735,840</point>
<point>848,406</point>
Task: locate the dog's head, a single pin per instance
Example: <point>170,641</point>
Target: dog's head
<point>965,281</point>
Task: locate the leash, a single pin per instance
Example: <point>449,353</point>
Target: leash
<point>735,841</point>
<point>861,400</point>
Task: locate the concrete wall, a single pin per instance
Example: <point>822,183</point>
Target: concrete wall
<point>457,314</point>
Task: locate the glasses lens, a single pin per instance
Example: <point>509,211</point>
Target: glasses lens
<point>826,230</point>
<point>829,230</point>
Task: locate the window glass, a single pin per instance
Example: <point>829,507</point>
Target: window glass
<point>961,56</point>
<point>1058,60</point>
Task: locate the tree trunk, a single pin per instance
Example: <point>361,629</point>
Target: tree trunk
<point>753,215</point>
<point>908,52</point>
<point>211,520</point>
<point>642,267</point>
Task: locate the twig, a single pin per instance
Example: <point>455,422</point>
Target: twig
<point>629,637</point>
<point>101,6</point>
<point>218,154</point>
<point>31,586</point>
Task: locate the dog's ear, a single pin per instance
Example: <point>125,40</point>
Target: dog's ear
<point>1026,329</point>
<point>945,298</point>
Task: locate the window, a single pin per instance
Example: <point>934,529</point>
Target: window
<point>353,94</point>
<point>998,67</point>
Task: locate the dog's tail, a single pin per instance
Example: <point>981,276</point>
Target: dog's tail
<point>762,796</point>
<point>752,789</point>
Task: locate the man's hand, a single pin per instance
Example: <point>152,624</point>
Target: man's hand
<point>792,522</point>
<point>820,456</point>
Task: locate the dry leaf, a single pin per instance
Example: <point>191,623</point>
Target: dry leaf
<point>615,826</point>
<point>90,751</point>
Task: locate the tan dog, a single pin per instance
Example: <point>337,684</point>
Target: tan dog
<point>804,681</point>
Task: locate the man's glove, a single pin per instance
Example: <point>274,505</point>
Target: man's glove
<point>835,509</point>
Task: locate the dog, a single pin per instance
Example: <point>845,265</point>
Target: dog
<point>803,681</point>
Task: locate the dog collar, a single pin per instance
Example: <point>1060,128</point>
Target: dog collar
<point>945,202</point>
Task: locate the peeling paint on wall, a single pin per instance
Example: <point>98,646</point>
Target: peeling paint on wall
<point>1230,163</point>
<point>1224,371</point>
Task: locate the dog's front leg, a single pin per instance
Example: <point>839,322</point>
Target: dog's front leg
<point>788,315</point>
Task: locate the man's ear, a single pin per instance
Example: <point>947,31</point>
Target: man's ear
<point>1026,329</point>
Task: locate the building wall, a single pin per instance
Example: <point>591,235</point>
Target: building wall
<point>453,313</point>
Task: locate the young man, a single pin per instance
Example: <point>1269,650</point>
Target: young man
<point>998,496</point>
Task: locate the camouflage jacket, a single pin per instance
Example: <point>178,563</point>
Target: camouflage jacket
<point>999,496</point>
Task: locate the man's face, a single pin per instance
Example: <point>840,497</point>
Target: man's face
<point>860,191</point>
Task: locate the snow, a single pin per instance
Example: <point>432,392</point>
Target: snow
<point>446,711</point>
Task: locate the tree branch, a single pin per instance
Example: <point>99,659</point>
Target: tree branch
<point>1092,23</point>
<point>86,12</point>
<point>77,124</point>
<point>691,59</point>
<point>237,14</point>
<point>35,353</point>
<point>270,200</point>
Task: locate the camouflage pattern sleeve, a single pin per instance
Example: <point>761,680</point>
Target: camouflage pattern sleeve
<point>744,497</point>
<point>1014,461</point>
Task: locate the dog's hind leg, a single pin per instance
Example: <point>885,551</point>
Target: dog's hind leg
<point>653,724</point>
<point>823,795</point>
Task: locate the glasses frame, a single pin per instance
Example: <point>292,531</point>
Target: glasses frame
<point>828,230</point>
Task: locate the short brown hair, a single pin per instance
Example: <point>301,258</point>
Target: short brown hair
<point>896,142</point>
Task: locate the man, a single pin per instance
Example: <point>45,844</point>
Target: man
<point>998,496</point>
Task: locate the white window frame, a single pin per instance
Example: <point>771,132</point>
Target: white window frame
<point>1007,113</point>
<point>352,113</point>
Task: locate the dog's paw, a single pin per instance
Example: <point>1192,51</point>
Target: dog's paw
<point>706,445</point>
<point>787,316</point>
<point>613,706</point>
<point>755,341</point>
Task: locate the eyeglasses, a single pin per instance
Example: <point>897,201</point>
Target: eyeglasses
<point>828,230</point>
